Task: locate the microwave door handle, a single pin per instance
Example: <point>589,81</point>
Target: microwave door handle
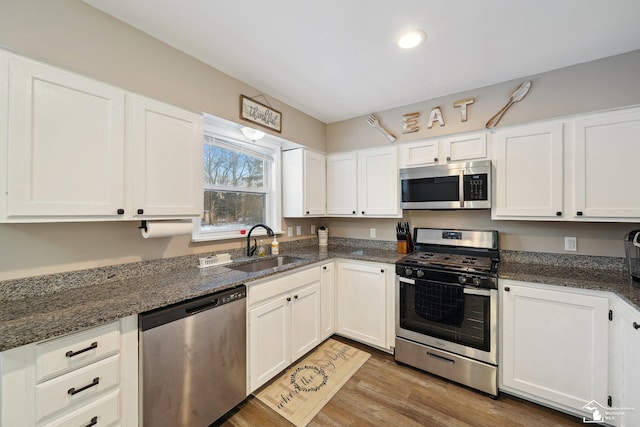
<point>461,187</point>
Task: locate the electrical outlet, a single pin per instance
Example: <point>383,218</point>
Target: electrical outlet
<point>372,233</point>
<point>570,244</point>
<point>289,231</point>
<point>313,229</point>
<point>298,230</point>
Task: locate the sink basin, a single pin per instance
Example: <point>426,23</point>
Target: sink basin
<point>264,264</point>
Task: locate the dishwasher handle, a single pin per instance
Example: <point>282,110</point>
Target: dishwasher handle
<point>162,316</point>
<point>202,307</point>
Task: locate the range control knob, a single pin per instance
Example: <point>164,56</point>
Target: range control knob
<point>407,271</point>
<point>462,279</point>
<point>419,273</point>
<point>477,281</point>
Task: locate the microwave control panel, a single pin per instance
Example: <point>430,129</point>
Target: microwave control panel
<point>475,187</point>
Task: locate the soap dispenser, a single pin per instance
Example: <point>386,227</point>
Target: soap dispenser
<point>275,246</point>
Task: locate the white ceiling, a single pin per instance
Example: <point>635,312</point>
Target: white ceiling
<point>337,59</point>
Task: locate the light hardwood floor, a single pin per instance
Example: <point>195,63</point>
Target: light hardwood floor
<point>384,393</point>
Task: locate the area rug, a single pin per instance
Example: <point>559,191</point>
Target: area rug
<point>300,393</point>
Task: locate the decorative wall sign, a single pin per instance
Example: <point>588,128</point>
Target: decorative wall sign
<point>516,96</point>
<point>260,114</point>
<point>374,122</point>
<point>436,115</point>
<point>462,104</point>
<point>410,122</point>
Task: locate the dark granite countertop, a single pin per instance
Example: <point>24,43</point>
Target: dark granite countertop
<point>34,309</point>
<point>34,318</point>
<point>615,281</point>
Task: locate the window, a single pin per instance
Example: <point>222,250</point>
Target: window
<point>239,184</point>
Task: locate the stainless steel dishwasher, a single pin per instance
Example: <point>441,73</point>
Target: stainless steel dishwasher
<point>193,360</point>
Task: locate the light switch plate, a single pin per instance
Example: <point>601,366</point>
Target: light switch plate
<point>372,233</point>
<point>313,229</point>
<point>289,231</point>
<point>298,230</point>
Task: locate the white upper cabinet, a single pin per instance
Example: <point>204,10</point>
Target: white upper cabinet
<point>378,188</point>
<point>421,153</point>
<point>578,169</point>
<point>303,183</point>
<point>342,184</point>
<point>464,147</point>
<point>167,159</point>
<point>529,172</point>
<point>80,150</point>
<point>607,151</point>
<point>363,183</point>
<point>444,150</point>
<point>66,144</point>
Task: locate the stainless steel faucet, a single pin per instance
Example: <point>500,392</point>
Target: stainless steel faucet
<point>251,249</point>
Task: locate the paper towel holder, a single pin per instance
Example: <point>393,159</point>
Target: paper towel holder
<point>143,225</point>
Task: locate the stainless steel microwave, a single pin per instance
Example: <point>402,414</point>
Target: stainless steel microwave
<point>453,186</point>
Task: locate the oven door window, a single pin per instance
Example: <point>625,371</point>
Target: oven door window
<point>473,330</point>
<point>437,189</point>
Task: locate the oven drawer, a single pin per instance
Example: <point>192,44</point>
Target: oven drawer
<point>472,373</point>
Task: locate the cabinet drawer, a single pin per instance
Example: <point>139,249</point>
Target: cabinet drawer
<point>77,387</point>
<point>263,291</point>
<point>64,354</point>
<point>104,412</point>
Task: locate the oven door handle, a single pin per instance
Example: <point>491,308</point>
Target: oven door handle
<point>474,291</point>
<point>406,280</point>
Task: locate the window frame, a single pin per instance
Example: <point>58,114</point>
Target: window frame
<point>229,136</point>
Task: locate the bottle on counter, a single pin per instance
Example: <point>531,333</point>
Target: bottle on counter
<point>262,251</point>
<point>275,246</point>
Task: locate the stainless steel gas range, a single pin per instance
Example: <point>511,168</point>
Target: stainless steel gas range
<point>446,306</point>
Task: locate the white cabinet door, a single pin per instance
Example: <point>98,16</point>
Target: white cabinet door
<point>464,147</point>
<point>303,183</point>
<point>167,159</point>
<point>554,345</point>
<point>629,365</point>
<point>420,153</point>
<point>315,193</point>
<point>342,184</point>
<point>378,182</point>
<point>362,296</point>
<point>306,320</point>
<point>327,303</point>
<point>269,340</point>
<point>529,169</point>
<point>607,149</point>
<point>65,144</point>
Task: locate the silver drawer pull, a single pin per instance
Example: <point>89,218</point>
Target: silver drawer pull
<point>93,422</point>
<point>75,353</point>
<point>73,390</point>
<point>444,359</point>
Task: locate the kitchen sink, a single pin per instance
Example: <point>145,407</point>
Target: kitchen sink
<point>264,264</point>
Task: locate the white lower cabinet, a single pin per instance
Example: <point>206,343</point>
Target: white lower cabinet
<point>284,323</point>
<point>554,345</point>
<point>328,285</point>
<point>86,378</point>
<point>365,302</point>
<point>626,395</point>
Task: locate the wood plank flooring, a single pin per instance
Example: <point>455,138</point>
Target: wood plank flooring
<point>384,393</point>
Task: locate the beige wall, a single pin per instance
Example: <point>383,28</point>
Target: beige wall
<point>602,239</point>
<point>75,36</point>
<point>598,85</point>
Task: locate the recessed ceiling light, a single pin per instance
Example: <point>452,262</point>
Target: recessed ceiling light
<point>412,39</point>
